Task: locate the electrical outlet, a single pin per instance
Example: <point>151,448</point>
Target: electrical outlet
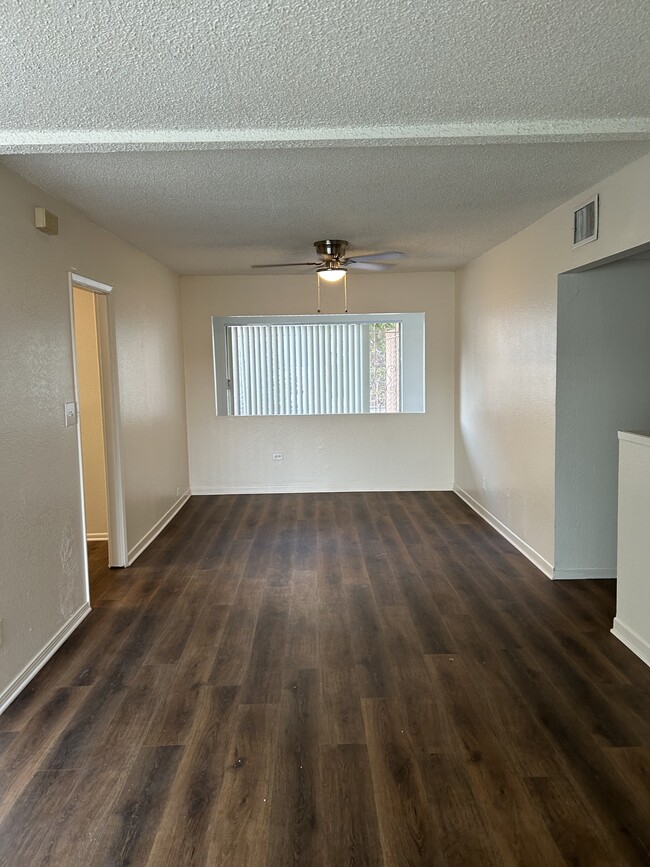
<point>484,484</point>
<point>278,456</point>
<point>1,636</point>
<point>178,491</point>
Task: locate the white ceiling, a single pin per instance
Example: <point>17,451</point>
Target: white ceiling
<point>217,134</point>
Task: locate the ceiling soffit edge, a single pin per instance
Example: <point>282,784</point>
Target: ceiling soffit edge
<point>25,141</point>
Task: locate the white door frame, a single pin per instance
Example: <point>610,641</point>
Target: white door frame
<point>117,549</point>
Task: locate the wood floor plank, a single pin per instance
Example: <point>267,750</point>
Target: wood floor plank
<point>6,739</point>
<point>350,829</point>
<point>175,632</point>
<point>518,831</point>
<point>304,554</point>
<point>530,749</point>
<point>573,829</point>
<point>633,764</point>
<point>263,679</point>
<point>375,554</point>
<point>184,831</point>
<point>99,573</point>
<point>609,724</point>
<point>426,714</point>
<point>328,561</point>
<point>175,580</point>
<point>104,773</point>
<point>464,831</point>
<point>231,662</point>
<point>41,798</point>
<point>173,722</point>
<point>349,546</point>
<point>611,798</point>
<point>239,829</point>
<point>23,755</point>
<point>295,834</point>
<point>425,614</point>
<point>341,720</point>
<point>101,703</point>
<point>90,663</point>
<point>302,633</point>
<point>409,827</point>
<point>132,826</point>
<point>223,536</point>
<point>220,584</point>
<point>370,654</point>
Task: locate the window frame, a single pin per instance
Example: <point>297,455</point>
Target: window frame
<point>412,386</point>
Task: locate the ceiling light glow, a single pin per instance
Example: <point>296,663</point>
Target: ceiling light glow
<point>331,275</point>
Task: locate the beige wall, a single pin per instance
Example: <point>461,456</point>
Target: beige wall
<point>339,453</point>
<point>41,578</point>
<point>90,413</point>
<point>506,355</point>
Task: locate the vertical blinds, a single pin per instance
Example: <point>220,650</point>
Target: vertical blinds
<point>298,369</point>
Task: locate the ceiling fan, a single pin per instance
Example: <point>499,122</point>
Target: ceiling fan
<point>334,263</point>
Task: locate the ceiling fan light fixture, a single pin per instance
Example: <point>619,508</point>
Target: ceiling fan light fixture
<point>331,272</point>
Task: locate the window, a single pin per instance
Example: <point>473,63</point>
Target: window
<point>319,365</point>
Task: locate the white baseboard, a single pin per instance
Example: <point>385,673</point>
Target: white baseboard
<point>32,668</point>
<point>157,528</point>
<point>96,537</point>
<point>580,574</point>
<point>636,643</point>
<point>535,558</point>
<point>208,490</point>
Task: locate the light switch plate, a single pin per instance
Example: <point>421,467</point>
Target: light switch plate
<point>70,410</point>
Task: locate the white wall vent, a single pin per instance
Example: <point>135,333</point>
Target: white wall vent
<point>585,222</point>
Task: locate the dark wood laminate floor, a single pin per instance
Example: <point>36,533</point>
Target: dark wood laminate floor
<point>346,679</point>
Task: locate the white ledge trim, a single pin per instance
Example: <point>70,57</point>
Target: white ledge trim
<point>591,129</point>
<point>640,437</point>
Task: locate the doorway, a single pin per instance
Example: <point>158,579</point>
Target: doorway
<point>603,363</point>
<point>97,400</point>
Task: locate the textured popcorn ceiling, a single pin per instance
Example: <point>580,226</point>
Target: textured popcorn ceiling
<point>217,134</point>
<point>222,211</point>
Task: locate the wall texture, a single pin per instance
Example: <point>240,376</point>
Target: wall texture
<point>90,413</point>
<point>603,373</point>
<point>506,353</point>
<point>337,453</point>
<point>41,581</point>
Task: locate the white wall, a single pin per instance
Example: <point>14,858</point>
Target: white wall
<point>632,621</point>
<point>337,453</point>
<point>603,386</point>
<point>41,544</point>
<point>506,352</point>
<point>90,413</point>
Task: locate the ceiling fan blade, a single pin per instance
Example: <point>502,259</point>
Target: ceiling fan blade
<point>367,266</point>
<point>377,257</point>
<point>286,264</point>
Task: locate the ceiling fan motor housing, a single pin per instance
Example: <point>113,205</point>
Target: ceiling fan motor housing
<point>331,250</point>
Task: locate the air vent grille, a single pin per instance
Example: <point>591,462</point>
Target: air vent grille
<point>585,222</point>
